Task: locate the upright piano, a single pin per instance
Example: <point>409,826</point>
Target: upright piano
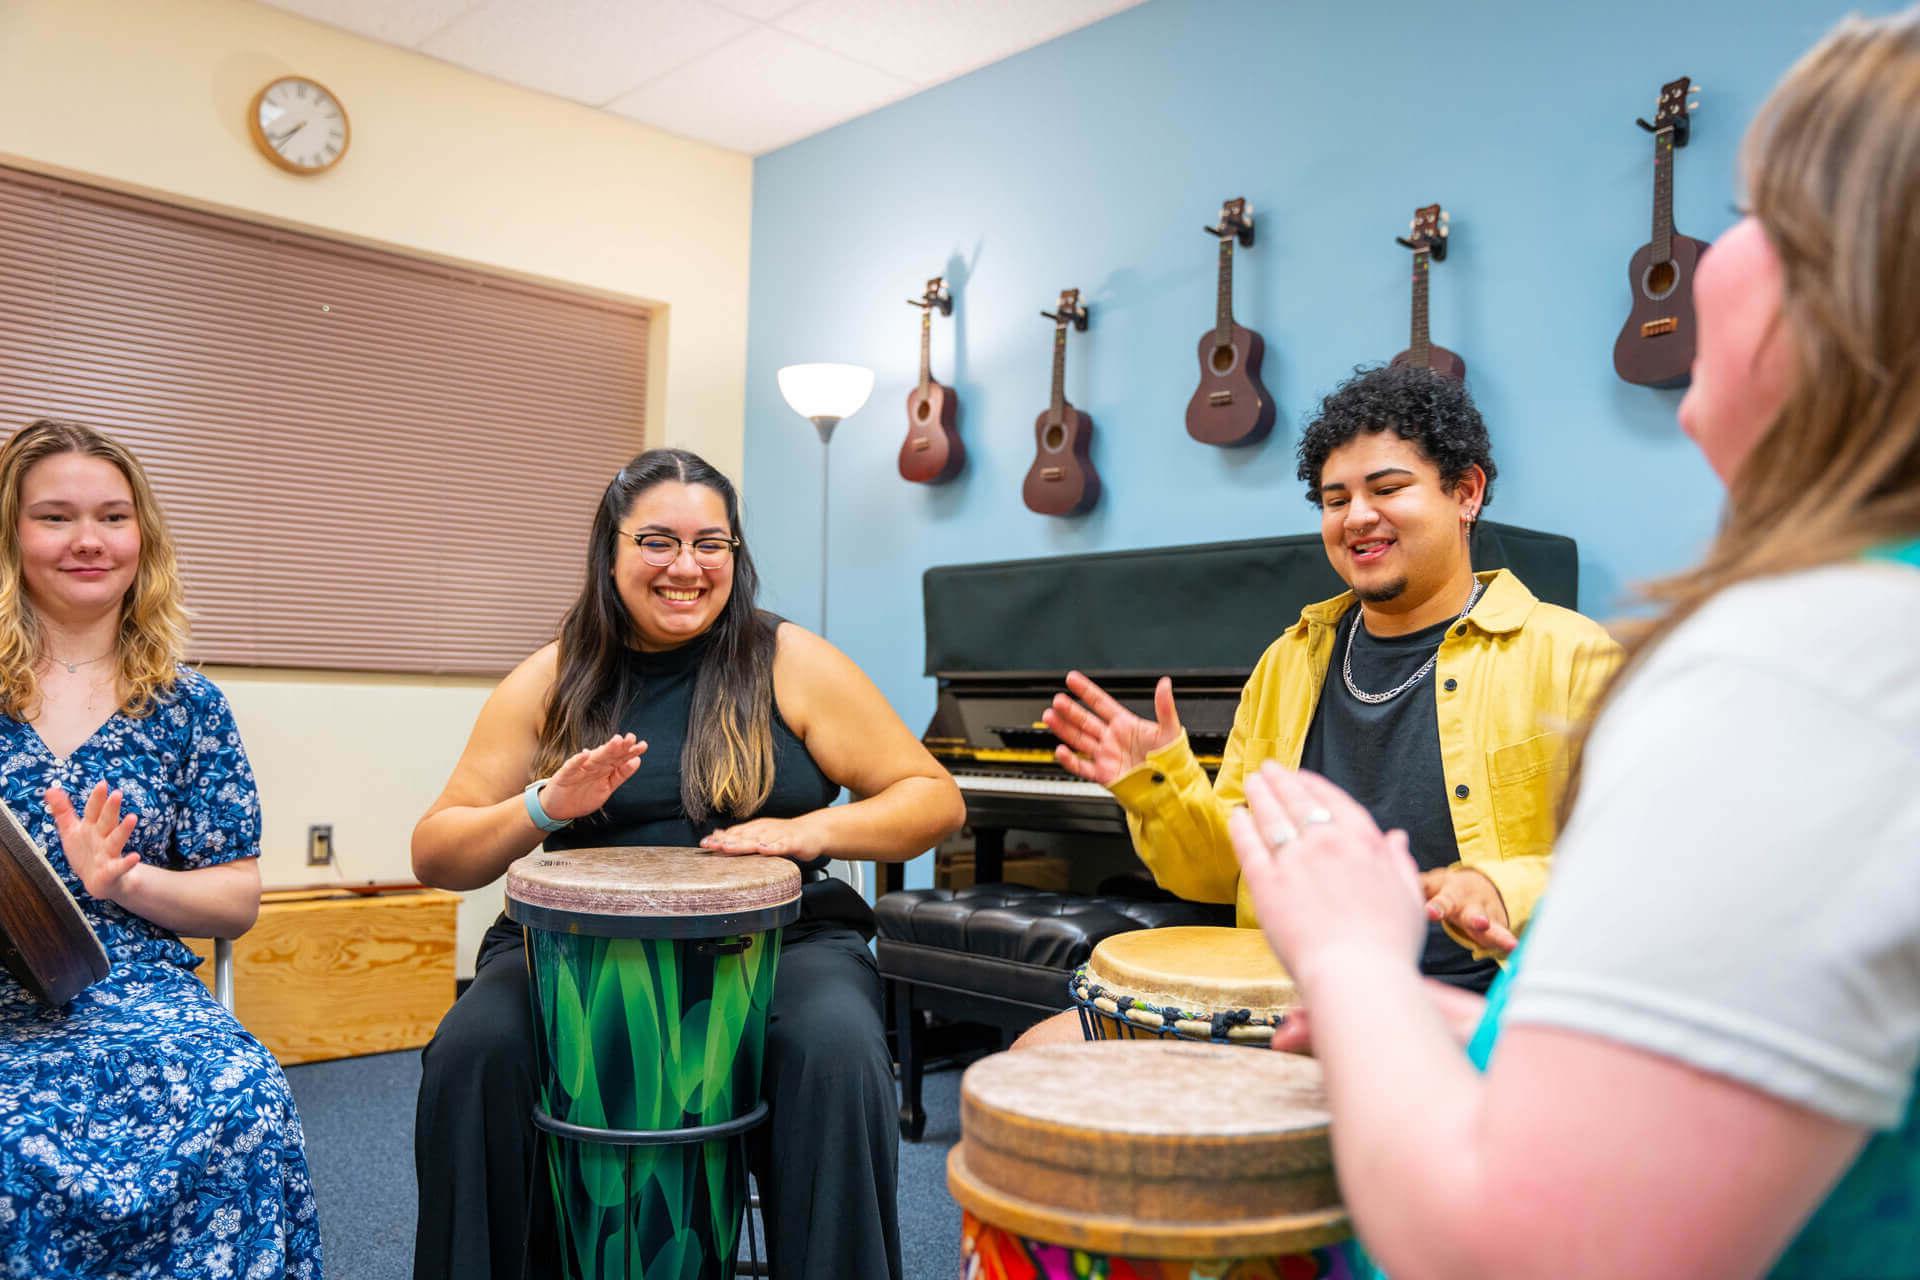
<point>1000,638</point>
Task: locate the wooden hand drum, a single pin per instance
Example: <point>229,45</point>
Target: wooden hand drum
<point>45,940</point>
<point>1193,982</point>
<point>652,972</point>
<point>1150,1161</point>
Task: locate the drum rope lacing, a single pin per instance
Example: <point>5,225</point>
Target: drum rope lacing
<point>1089,992</point>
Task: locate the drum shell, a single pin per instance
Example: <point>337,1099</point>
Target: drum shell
<point>1149,1150</point>
<point>637,1033</point>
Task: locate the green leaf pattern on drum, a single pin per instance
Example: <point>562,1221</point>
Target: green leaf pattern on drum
<point>648,1033</point>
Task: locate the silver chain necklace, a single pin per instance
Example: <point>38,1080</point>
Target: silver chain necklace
<point>1346,659</point>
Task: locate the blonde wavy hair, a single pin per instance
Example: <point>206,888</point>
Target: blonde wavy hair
<point>153,617</point>
<point>1832,166</point>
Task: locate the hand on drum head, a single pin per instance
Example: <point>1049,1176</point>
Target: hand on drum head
<point>1464,898</point>
<point>94,841</point>
<point>1329,888</point>
<point>1460,1010</point>
<point>581,785</point>
<point>1102,739</point>
<point>794,838</point>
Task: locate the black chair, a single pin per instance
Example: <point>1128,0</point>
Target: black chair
<point>998,954</point>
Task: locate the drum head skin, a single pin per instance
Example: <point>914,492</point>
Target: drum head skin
<point>1150,1148</point>
<point>45,940</point>
<point>652,891</point>
<point>1194,967</point>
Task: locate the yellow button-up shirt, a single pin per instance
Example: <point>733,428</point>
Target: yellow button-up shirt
<point>1513,679</point>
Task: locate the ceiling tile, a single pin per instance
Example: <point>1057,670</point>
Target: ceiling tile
<point>587,50</point>
<point>760,10</point>
<point>760,92</point>
<point>401,22</point>
<point>928,41</point>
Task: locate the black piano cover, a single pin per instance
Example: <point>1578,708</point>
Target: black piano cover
<point>1213,606</point>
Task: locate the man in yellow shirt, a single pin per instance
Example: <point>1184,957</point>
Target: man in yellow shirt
<point>1449,701</point>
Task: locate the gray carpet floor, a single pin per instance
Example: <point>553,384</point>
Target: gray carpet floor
<point>358,1116</point>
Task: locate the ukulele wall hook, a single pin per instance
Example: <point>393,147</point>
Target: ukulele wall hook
<point>1682,123</point>
<point>1240,226</point>
<point>937,297</point>
<point>1076,315</point>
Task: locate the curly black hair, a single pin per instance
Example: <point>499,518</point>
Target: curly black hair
<point>1414,403</point>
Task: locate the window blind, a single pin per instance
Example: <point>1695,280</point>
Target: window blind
<point>370,461</point>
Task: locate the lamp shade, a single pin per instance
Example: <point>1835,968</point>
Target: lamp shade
<point>832,391</point>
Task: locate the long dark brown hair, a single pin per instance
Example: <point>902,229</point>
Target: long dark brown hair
<point>1832,164</point>
<point>727,767</point>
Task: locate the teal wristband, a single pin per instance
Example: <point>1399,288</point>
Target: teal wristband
<point>540,818</point>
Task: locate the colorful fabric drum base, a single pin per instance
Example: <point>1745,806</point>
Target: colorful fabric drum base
<point>1159,1160</point>
<point>638,1036</point>
<point>989,1253</point>
<point>1192,982</point>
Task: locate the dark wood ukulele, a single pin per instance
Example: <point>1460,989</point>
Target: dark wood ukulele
<point>932,452</point>
<point>1655,346</point>
<point>1062,481</point>
<point>1428,239</point>
<point>1230,406</point>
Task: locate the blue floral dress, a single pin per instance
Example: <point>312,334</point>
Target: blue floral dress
<point>143,1132</point>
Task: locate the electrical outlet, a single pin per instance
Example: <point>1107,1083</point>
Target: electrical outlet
<point>320,844</point>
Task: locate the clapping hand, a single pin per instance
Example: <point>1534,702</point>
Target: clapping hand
<point>1326,882</point>
<point>1100,739</point>
<point>95,841</point>
<point>581,785</point>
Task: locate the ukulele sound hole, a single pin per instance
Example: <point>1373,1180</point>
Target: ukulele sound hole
<point>1053,437</point>
<point>921,410</point>
<point>1222,360</point>
<point>1660,280</point>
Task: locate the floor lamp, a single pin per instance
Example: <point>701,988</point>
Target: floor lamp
<point>824,394</point>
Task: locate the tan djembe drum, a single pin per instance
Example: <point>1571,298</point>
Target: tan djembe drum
<point>1189,981</point>
<point>1161,1160</point>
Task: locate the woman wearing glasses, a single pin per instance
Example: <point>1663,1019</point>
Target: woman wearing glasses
<point>671,711</point>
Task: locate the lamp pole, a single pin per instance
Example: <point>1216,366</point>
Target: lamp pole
<point>824,424</point>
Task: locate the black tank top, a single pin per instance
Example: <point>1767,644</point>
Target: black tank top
<point>646,808</point>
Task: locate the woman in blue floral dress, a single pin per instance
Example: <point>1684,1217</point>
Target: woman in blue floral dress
<point>143,1133</point>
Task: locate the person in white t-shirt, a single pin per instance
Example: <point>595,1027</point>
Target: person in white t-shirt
<point>1712,1029</point>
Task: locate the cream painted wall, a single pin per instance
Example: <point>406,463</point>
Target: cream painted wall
<point>152,95</point>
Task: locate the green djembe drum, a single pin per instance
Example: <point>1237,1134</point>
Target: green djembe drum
<point>652,972</point>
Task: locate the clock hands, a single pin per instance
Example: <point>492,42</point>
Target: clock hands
<point>281,139</point>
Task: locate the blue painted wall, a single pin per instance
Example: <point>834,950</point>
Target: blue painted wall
<point>1094,160</point>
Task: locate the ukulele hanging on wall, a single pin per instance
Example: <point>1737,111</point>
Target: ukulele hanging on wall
<point>1062,481</point>
<point>1428,239</point>
<point>1230,406</point>
<point>1655,346</point>
<point>932,452</point>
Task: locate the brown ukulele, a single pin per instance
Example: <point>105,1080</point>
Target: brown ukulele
<point>1655,346</point>
<point>932,452</point>
<point>1428,240</point>
<point>1230,406</point>
<point>1062,481</point>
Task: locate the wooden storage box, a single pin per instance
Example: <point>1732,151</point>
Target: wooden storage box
<point>331,974</point>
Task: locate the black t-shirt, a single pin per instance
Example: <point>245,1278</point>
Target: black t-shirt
<point>1386,755</point>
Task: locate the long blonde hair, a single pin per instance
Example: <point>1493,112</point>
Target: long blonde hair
<point>153,617</point>
<point>1832,163</point>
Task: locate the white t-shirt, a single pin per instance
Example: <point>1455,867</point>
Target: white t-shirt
<point>1739,886</point>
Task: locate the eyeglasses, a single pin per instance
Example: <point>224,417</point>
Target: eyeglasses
<point>662,549</point>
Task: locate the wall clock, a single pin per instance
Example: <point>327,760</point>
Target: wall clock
<point>299,125</point>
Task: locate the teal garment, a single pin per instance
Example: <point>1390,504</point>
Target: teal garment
<point>1868,1227</point>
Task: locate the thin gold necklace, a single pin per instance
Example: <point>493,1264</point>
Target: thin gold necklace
<point>73,668</point>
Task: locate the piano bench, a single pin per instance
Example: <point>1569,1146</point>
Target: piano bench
<point>999,954</point>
